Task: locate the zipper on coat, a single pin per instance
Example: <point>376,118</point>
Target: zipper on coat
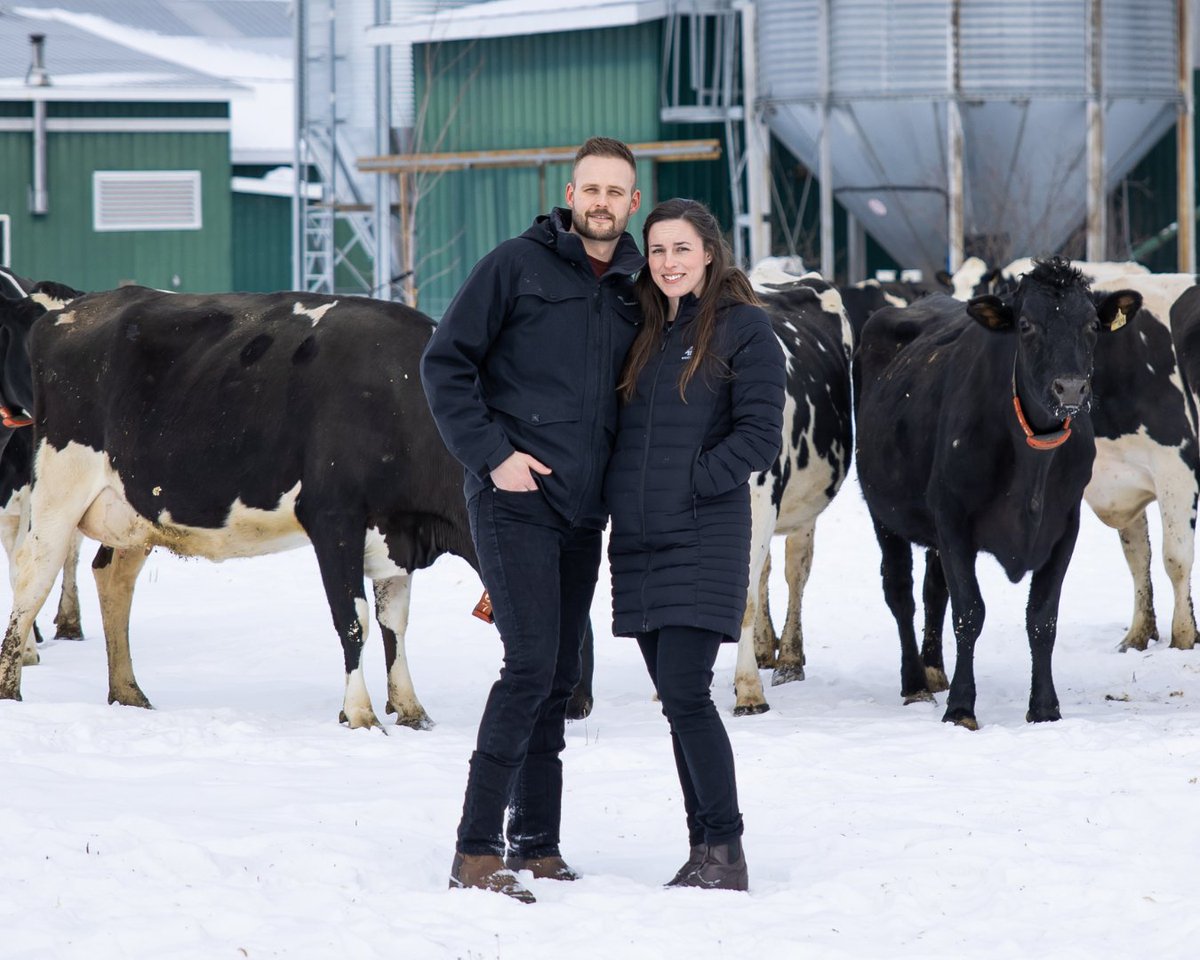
<point>591,391</point>
<point>662,355</point>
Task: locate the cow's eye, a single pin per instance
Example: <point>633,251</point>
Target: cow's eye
<point>1024,325</point>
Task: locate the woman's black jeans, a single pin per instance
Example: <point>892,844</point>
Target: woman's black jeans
<point>541,574</point>
<point>680,661</point>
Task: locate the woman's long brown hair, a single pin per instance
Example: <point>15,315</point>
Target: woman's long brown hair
<point>723,283</point>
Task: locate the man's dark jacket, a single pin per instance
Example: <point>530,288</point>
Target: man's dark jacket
<point>527,357</point>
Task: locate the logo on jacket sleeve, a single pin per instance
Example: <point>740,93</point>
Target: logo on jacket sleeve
<point>687,354</point>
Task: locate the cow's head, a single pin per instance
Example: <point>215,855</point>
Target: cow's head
<point>16,375</point>
<point>1056,322</point>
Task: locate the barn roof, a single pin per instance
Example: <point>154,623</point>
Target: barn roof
<point>83,66</point>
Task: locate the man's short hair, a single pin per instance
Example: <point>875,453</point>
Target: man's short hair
<point>604,147</point>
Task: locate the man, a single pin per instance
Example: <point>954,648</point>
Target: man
<point>521,378</point>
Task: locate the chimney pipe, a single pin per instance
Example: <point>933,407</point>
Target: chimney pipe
<point>39,199</point>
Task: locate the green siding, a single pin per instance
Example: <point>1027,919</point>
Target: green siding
<point>63,245</point>
<point>522,92</point>
<point>262,243</point>
<point>1152,190</point>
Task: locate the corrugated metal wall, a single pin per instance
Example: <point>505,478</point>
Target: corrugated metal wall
<point>521,92</point>
<point>261,243</point>
<point>63,245</point>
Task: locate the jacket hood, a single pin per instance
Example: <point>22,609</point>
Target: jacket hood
<point>553,230</point>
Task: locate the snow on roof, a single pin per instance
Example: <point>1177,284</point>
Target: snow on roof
<point>262,125</point>
<point>79,63</point>
<point>506,18</point>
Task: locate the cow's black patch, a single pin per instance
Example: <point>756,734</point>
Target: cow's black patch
<point>254,350</point>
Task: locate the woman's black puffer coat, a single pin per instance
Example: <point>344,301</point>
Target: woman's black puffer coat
<point>676,485</point>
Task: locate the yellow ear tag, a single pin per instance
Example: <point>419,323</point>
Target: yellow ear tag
<point>1119,322</point>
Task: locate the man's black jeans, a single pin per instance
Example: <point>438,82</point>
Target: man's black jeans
<point>541,574</point>
<point>680,661</point>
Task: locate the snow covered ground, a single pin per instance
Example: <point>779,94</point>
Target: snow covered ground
<point>239,820</point>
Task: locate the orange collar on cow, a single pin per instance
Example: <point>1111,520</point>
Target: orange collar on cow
<point>1039,441</point>
<point>7,418</point>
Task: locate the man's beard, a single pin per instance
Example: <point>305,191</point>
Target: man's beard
<point>582,227</point>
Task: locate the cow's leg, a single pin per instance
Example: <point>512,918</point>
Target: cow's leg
<point>1041,623</point>
<point>37,559</point>
<point>896,571</point>
<point>392,595</point>
<point>968,611</point>
<point>116,572</point>
<point>9,524</point>
<point>797,566</point>
<point>747,685</point>
<point>766,643</point>
<point>935,595</point>
<point>67,619</point>
<point>1178,508</point>
<point>1135,543</point>
<point>582,700</point>
<point>339,541</point>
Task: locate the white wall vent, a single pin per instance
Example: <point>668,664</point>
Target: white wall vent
<point>146,199</point>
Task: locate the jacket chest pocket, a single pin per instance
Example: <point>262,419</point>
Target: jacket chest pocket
<point>537,371</point>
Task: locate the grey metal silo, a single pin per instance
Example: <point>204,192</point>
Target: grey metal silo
<point>897,76</point>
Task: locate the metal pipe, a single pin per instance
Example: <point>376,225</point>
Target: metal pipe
<point>299,200</point>
<point>825,165</point>
<point>39,197</point>
<point>954,148</point>
<point>383,135</point>
<point>1097,205</point>
<point>758,153</point>
<point>1186,140</point>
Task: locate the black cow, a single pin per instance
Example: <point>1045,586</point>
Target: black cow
<point>974,435</point>
<point>237,425</point>
<point>811,324</point>
<point>1146,447</point>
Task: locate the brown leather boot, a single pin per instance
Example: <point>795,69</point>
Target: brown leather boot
<point>543,868</point>
<point>487,872</point>
<point>695,858</point>
<point>723,868</point>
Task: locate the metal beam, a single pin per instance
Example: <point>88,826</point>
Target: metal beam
<point>666,150</point>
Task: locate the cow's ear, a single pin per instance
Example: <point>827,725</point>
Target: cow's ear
<point>1117,309</point>
<point>990,312</point>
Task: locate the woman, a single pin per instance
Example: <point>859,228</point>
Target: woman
<point>702,411</point>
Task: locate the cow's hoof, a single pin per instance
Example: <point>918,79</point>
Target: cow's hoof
<point>418,722</point>
<point>960,718</point>
<point>750,709</point>
<point>921,696</point>
<point>1140,642</point>
<point>130,698</point>
<point>1043,716</point>
<point>68,631</point>
<point>936,680</point>
<point>37,635</point>
<point>30,657</point>
<point>1183,643</point>
<point>787,673</point>
<point>580,708</point>
<point>10,693</point>
<point>764,660</point>
<point>360,719</point>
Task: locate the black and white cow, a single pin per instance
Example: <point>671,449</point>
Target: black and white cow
<point>974,435</point>
<point>237,425</point>
<point>20,301</point>
<point>813,328</point>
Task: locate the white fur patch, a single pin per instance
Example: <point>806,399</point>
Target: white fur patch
<point>377,565</point>
<point>316,313</point>
<point>83,480</point>
<point>68,317</point>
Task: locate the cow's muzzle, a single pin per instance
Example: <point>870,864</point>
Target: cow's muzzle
<point>1071,396</point>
